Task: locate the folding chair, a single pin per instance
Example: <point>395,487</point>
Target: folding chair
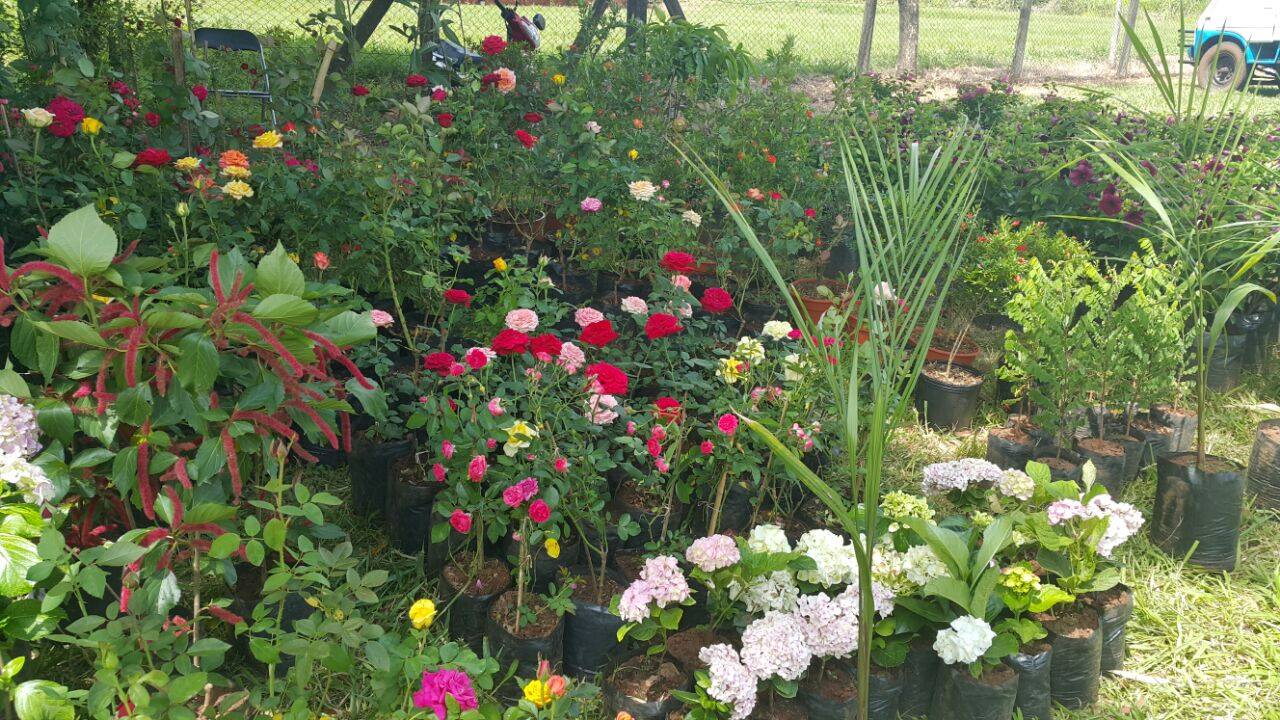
<point>239,41</point>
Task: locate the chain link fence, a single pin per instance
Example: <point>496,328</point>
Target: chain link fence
<point>1066,38</point>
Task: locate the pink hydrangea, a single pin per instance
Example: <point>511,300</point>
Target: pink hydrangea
<point>830,626</point>
<point>713,553</point>
<point>522,320</point>
<point>775,645</point>
<point>587,316</point>
<point>634,605</point>
<point>1061,511</point>
<point>731,682</point>
<point>667,585</point>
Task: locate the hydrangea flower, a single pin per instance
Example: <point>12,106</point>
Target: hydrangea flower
<point>713,553</point>
<point>1123,522</point>
<point>19,433</point>
<point>666,583</point>
<point>1060,511</point>
<point>775,645</point>
<point>882,598</point>
<point>29,479</point>
<point>731,681</point>
<point>965,641</point>
<point>775,591</point>
<point>898,505</point>
<point>768,538</point>
<point>835,560</point>
<point>830,626</point>
<point>1016,484</point>
<point>920,565</point>
<point>943,477</point>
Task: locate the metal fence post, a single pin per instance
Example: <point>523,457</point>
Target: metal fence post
<point>1122,60</point>
<point>1020,44</point>
<point>868,34</point>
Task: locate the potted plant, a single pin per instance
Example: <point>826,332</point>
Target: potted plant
<point>645,685</point>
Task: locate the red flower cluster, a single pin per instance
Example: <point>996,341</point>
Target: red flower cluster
<point>612,380</point>
<point>415,80</point>
<point>492,45</point>
<point>660,325</point>
<point>532,118</point>
<point>444,120</point>
<point>546,344</point>
<point>153,157</point>
<point>457,296</point>
<point>201,92</point>
<point>598,334</point>
<point>359,90</point>
<point>678,262</point>
<point>526,139</point>
<point>67,115</point>
<point>716,301</point>
<point>439,363</point>
<point>510,342</point>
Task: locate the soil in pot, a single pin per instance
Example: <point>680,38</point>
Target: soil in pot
<point>471,597</point>
<point>1264,465</point>
<point>1156,440</point>
<point>1010,448</point>
<point>947,395</point>
<point>628,563</point>
<point>919,679</point>
<point>410,499</point>
<point>1076,637</point>
<point>1114,608</point>
<point>1033,663</point>
<point>943,348</point>
<point>830,692</point>
<point>776,708</point>
<point>1109,460</point>
<point>649,510</point>
<point>1063,464</point>
<point>1197,509</point>
<point>815,302</point>
<point>532,640</point>
<point>591,631</point>
<point>685,645</point>
<point>960,696</point>
<point>642,687</point>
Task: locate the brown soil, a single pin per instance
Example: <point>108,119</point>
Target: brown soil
<point>1148,426</point>
<point>1013,435</point>
<point>504,612</point>
<point>1108,599</point>
<point>835,682</point>
<point>1270,432</point>
<point>1034,647</point>
<point>1211,463</point>
<point>1062,465</point>
<point>996,676</point>
<point>648,679</point>
<point>1074,621</point>
<point>945,340</point>
<point>955,375</point>
<point>808,287</point>
<point>638,498</point>
<point>1102,448</point>
<point>587,591</point>
<point>1176,412</point>
<point>407,468</point>
<point>685,645</point>
<point>493,578</point>
<point>775,708</point>
<point>629,563</point>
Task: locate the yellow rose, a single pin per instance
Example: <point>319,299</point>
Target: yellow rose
<point>91,126</point>
<point>238,172</point>
<point>633,154</point>
<point>237,190</point>
<point>37,117</point>
<point>268,140</point>
<point>730,370</point>
<point>519,435</point>
<point>500,265</point>
<point>187,164</point>
<point>537,693</point>
<point>422,614</point>
<point>294,257</point>
<point>552,546</point>
<point>558,79</point>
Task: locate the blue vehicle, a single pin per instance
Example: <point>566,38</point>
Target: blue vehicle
<point>1235,40</point>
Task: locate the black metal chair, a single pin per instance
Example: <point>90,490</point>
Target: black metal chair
<point>228,40</point>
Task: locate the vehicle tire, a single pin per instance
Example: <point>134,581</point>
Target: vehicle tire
<point>1222,67</point>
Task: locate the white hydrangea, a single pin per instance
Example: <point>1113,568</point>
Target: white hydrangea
<point>775,591</point>
<point>836,563</point>
<point>965,641</point>
<point>943,477</point>
<point>886,565</point>
<point>1123,522</point>
<point>19,432</point>
<point>731,681</point>
<point>920,565</point>
<point>882,597</point>
<point>776,329</point>
<point>29,479</point>
<point>775,645</point>
<point>768,538</point>
<point>830,626</point>
<point>1016,484</point>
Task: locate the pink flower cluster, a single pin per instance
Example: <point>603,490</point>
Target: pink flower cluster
<point>445,682</point>
<point>520,493</point>
<point>660,583</point>
<point>713,553</point>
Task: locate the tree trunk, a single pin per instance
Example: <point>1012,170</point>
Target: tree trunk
<point>674,9</point>
<point>1020,45</point>
<point>868,33</point>
<point>589,25</point>
<point>637,15</point>
<point>368,22</point>
<point>1117,33</point>
<point>908,36</point>
<point>1122,60</point>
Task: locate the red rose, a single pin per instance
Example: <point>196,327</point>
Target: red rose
<point>546,343</point>
<point>810,213</point>
<point>201,92</point>
<point>678,262</point>
<point>660,325</point>
<point>598,334</point>
<point>460,521</point>
<point>492,45</point>
<point>489,79</point>
<point>444,120</point>
<point>152,119</point>
<point>289,127</point>
<point>154,157</point>
<point>775,195</point>
<point>457,296</point>
<point>539,512</point>
<point>438,363</point>
<point>613,381</point>
<point>67,114</point>
<point>510,342</point>
<point>667,403</point>
<point>526,139</point>
<point>415,80</point>
<point>532,118</point>
<point>715,300</point>
<point>359,90</point>
<point>669,410</point>
<point>439,95</point>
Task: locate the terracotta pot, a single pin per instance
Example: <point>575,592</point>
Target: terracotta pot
<point>806,292</point>
<point>940,350</point>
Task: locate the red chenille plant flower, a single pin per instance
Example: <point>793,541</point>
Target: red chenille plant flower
<point>678,262</point>
<point>598,334</point>
<point>660,325</point>
<point>715,300</point>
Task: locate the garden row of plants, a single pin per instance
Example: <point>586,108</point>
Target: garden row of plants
<point>612,350</point>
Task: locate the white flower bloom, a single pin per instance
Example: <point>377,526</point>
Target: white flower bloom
<point>27,478</point>
<point>731,681</point>
<point>19,431</point>
<point>1123,522</point>
<point>795,368</point>
<point>775,645</point>
<point>635,305</point>
<point>965,641</point>
<point>776,329</point>
<point>768,538</point>
<point>37,117</point>
<point>692,218</point>
<point>1016,484</point>
<point>830,626</point>
<point>749,349</point>
<point>642,190</point>
<point>920,565</point>
<point>835,560</point>
<point>775,591</point>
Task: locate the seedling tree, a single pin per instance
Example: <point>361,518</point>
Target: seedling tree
<point>909,217</point>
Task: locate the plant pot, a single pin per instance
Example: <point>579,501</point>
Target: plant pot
<point>833,693</point>
<point>1252,327</point>
<point>642,687</point>
<point>735,511</point>
<point>1114,608</point>
<point>1182,425</point>
<point>1226,362</point>
<point>1155,440</point>
<point>526,228</point>
<point>1033,664</point>
<point>919,679</point>
<point>806,291</point>
<point>1264,465</point>
<point>470,599</point>
<point>948,400</point>
<point>1109,460</point>
<point>1198,507</point>
<point>591,631</point>
<point>546,569</point>
<point>649,515</point>
<point>1063,464</point>
<point>1076,637</point>
<point>326,456</point>
<point>942,348</point>
<point>410,498</point>
<point>960,696</point>
<point>369,468</point>
<point>1010,448</point>
<point>441,552</point>
<point>528,646</point>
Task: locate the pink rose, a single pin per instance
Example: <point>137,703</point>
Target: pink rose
<point>539,511</point>
<point>662,465</point>
<point>587,316</point>
<point>495,407</point>
<point>634,305</point>
<point>591,205</point>
<point>491,443</point>
<point>512,497</point>
<point>381,318</point>
<point>460,521</point>
<point>522,320</point>
<point>571,358</point>
<point>708,447</point>
<point>562,465</point>
<point>728,423</point>
<point>438,472</point>
<point>681,281</point>
<point>478,466</point>
<point>446,449</point>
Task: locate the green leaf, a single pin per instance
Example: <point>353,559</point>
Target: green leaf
<point>82,242</point>
<point>92,457</point>
<point>273,534</point>
<point>350,328</point>
<point>184,687</point>
<point>288,309</point>
<point>133,405</point>
<point>223,545</point>
<point>17,556</point>
<point>168,594</point>
<point>55,419</point>
<point>11,383</point>
<point>199,364</point>
<point>170,319</point>
<point>279,274</point>
<point>73,330</point>
<point>42,700</point>
<point>255,553</point>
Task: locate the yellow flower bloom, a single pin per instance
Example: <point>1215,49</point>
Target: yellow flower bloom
<point>519,435</point>
<point>91,126</point>
<point>730,370</point>
<point>422,614</point>
<point>500,265</point>
<point>558,79</point>
<point>182,209</point>
<point>238,172</point>
<point>101,298</point>
<point>633,154</point>
<point>187,164</point>
<point>537,693</point>
<point>294,257</point>
<point>268,140</point>
<point>237,190</point>
<point>313,602</point>
<point>552,546</point>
